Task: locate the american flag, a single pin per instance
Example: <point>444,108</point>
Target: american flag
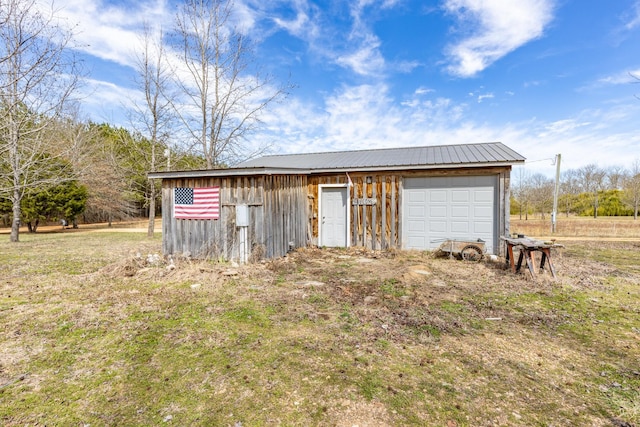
<point>196,203</point>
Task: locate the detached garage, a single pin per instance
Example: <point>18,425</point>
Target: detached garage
<point>406,198</point>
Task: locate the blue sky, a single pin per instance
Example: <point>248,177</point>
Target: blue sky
<point>542,76</point>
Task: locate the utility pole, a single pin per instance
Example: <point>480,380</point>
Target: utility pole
<point>554,213</point>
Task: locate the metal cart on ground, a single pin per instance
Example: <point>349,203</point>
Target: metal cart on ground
<point>467,250</point>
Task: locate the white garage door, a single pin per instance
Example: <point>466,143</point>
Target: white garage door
<point>448,208</point>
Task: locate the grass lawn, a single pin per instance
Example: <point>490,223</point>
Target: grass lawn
<point>97,330</point>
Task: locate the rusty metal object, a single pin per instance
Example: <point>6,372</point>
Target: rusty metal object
<point>467,250</point>
<point>471,253</point>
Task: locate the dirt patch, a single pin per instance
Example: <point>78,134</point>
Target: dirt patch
<point>359,414</point>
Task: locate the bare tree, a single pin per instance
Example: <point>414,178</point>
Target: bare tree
<point>153,117</point>
<point>614,177</point>
<point>570,189</point>
<point>521,191</point>
<point>38,74</point>
<point>223,98</point>
<point>7,10</point>
<point>591,179</point>
<point>631,193</point>
<point>109,175</point>
<point>541,193</point>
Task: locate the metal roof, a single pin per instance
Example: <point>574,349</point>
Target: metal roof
<point>429,157</point>
<point>482,154</point>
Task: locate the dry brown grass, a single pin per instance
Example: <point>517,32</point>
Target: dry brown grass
<point>106,336</point>
<point>579,227</point>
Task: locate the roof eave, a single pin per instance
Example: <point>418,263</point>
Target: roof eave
<point>298,171</point>
<point>417,167</point>
<point>226,172</point>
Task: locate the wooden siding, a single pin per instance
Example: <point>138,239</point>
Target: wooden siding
<point>374,226</point>
<point>379,226</point>
<point>283,212</point>
<point>277,218</point>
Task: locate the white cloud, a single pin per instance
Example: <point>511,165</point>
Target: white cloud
<point>357,51</point>
<point>561,127</point>
<point>533,83</point>
<point>368,116</point>
<point>297,26</point>
<point>497,28</point>
<point>366,60</point>
<point>106,31</point>
<point>423,91</point>
<point>633,19</point>
<point>624,77</point>
<point>107,101</point>
<point>383,4</point>
<point>303,25</point>
<point>485,96</point>
<point>244,16</point>
<point>405,67</point>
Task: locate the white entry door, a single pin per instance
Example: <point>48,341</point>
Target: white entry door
<point>333,216</point>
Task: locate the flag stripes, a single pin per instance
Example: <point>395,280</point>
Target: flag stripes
<point>196,203</point>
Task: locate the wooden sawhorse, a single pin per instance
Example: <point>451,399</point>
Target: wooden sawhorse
<point>528,247</point>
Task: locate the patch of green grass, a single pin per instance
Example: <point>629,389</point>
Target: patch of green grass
<point>430,330</point>
<point>319,299</point>
<point>347,319</point>
<point>382,344</point>
<point>625,260</point>
<point>108,349</point>
<point>392,287</point>
<point>246,314</point>
<point>453,307</point>
<point>370,385</point>
<point>39,253</point>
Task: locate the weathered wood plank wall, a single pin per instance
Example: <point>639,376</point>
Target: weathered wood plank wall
<point>504,213</point>
<point>372,225</point>
<point>283,212</point>
<point>277,218</point>
<point>378,225</point>
<point>286,213</point>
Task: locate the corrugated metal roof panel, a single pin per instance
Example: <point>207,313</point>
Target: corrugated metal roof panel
<point>442,155</point>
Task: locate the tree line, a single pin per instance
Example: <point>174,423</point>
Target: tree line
<point>200,97</point>
<point>587,191</point>
<point>105,179</point>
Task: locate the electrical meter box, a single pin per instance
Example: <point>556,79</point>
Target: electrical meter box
<point>242,216</point>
